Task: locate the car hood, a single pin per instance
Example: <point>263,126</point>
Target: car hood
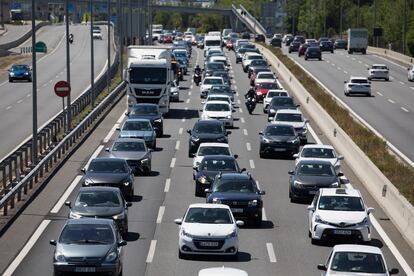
<point>295,124</point>
<point>208,136</point>
<point>102,211</point>
<point>324,181</point>
<point>209,174</point>
<point>19,72</point>
<point>338,217</point>
<point>264,80</point>
<point>135,134</point>
<point>233,196</point>
<point>128,155</point>
<point>280,138</point>
<point>84,250</point>
<point>106,177</point>
<point>208,230</point>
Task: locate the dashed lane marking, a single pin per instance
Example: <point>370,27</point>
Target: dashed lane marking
<point>9,107</point>
<point>251,162</point>
<point>19,101</point>
<point>345,72</point>
<point>177,145</point>
<point>271,252</point>
<point>241,110</point>
<point>160,214</point>
<point>242,120</point>
<point>264,217</point>
<point>405,109</point>
<point>402,83</point>
<point>245,132</point>
<point>167,185</point>
<point>391,101</point>
<point>379,93</point>
<point>172,164</point>
<point>151,251</point>
<point>180,131</point>
<point>187,101</point>
<point>248,146</point>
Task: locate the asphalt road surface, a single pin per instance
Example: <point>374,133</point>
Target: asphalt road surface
<point>279,247</point>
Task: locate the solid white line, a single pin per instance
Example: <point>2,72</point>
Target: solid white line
<point>151,251</point>
<point>339,68</point>
<point>94,155</point>
<point>189,93</point>
<point>109,135</point>
<point>405,109</point>
<point>391,77</point>
<point>167,185</point>
<point>160,214</point>
<point>241,110</point>
<point>366,65</point>
<point>16,262</point>
<point>391,101</point>
<point>245,132</point>
<point>248,146</point>
<point>242,120</point>
<point>313,133</point>
<point>402,83</point>
<point>28,95</point>
<point>251,162</point>
<point>66,194</point>
<point>172,164</point>
<point>264,217</point>
<point>121,118</point>
<point>353,58</point>
<point>258,186</point>
<point>346,72</point>
<point>177,145</point>
<point>9,107</point>
<point>19,101</point>
<point>180,131</point>
<point>379,93</point>
<point>183,120</point>
<point>412,88</point>
<point>271,252</point>
<point>187,101</point>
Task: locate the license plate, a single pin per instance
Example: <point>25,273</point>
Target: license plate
<point>313,192</point>
<point>211,244</point>
<point>279,149</point>
<point>237,210</point>
<point>85,269</point>
<point>342,232</point>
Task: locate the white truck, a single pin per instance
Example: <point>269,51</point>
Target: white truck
<point>149,75</point>
<point>357,40</point>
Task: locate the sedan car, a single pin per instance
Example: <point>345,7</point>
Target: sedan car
<point>302,49</point>
<point>326,46</point>
<point>218,110</point>
<point>20,72</point>
<point>206,149</point>
<point>152,113</point>
<point>339,213</point>
<point>207,83</point>
<point>257,64</point>
<point>88,246</point>
<point>112,172</point>
<point>313,53</point>
<point>208,229</point>
<point>276,42</point>
<point>264,77</point>
<point>319,152</point>
<point>217,97</point>
<point>263,88</point>
<point>309,176</point>
<point>353,259</point>
<point>135,152</point>
<point>293,117</point>
<point>379,71</point>
<point>209,167</point>
<point>242,51</point>
<point>212,66</point>
<point>101,202</point>
<point>206,131</point>
<point>294,46</point>
<point>273,93</point>
<point>280,102</point>
<point>277,139</point>
<point>222,90</point>
<point>341,44</point>
<point>259,38</point>
<point>247,59</point>
<point>240,193</point>
<point>357,85</point>
<point>97,34</point>
<point>139,128</point>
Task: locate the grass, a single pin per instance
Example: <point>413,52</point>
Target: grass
<point>397,172</point>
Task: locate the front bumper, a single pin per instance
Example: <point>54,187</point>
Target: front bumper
<point>306,192</point>
<point>225,246</point>
<point>103,269</point>
<point>279,147</point>
<point>329,232</point>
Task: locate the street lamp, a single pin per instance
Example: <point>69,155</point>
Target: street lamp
<point>34,86</point>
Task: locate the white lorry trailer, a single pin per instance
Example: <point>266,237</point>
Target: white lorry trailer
<point>357,40</point>
<point>149,75</point>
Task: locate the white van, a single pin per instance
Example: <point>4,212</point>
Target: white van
<point>211,41</point>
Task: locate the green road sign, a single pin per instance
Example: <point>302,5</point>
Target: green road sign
<point>40,47</point>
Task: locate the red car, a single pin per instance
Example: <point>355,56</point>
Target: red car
<point>264,87</point>
<point>302,49</point>
<point>168,39</point>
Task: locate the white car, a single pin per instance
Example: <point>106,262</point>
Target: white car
<point>354,259</point>
<point>207,83</point>
<point>273,93</point>
<point>247,59</point>
<point>217,97</point>
<point>174,92</point>
<point>379,71</point>
<point>211,149</point>
<point>218,110</point>
<point>411,73</point>
<point>222,271</point>
<point>293,117</point>
<point>319,152</point>
<point>339,213</point>
<point>96,34</point>
<point>357,85</point>
<point>222,59</point>
<point>208,229</point>
<point>264,77</point>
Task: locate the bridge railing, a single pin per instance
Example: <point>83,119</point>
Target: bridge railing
<point>253,19</point>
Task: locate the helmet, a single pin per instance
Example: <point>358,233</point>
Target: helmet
<point>197,66</point>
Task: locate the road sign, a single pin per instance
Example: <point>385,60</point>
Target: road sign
<point>62,89</point>
<point>40,47</point>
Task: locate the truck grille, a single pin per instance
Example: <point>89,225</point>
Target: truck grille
<point>139,92</point>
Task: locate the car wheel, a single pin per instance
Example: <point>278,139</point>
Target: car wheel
<point>346,93</point>
<point>258,221</point>
<point>154,144</point>
<point>387,79</point>
<point>29,80</point>
<point>148,171</point>
<point>10,80</point>
<point>262,154</point>
<point>198,191</point>
<point>320,59</point>
<point>309,234</point>
<point>181,255</point>
<point>306,58</point>
<point>235,257</point>
<point>121,273</point>
<point>314,241</point>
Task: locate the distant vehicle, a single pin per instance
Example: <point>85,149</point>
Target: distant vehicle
<point>263,88</point>
<point>264,77</point>
<point>240,52</point>
<point>278,139</point>
<point>259,38</point>
<point>207,83</point>
<point>299,38</point>
<point>96,33</point>
<point>245,35</point>
<point>213,66</point>
<point>222,271</point>
<point>256,64</point>
<point>354,259</point>
<point>175,92</point>
<point>294,46</point>
<point>212,41</point>
<point>218,110</point>
<point>206,131</point>
<point>313,53</point>
<point>20,72</point>
<point>247,59</point>
<point>150,112</point>
<point>224,75</point>
<point>341,44</point>
<point>276,42</point>
<point>379,71</point>
<point>319,152</point>
<point>357,40</point>
<point>286,37</point>
<point>302,49</point>
<point>254,71</point>
<point>222,90</point>
<point>357,85</point>
<point>410,73</point>
<point>326,46</point>
<point>139,128</point>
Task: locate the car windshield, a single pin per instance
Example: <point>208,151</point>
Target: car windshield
<point>359,81</point>
<point>313,50</point>
<point>20,67</point>
<point>108,166</point>
<point>272,94</point>
<point>209,150</point>
<point>217,107</point>
<point>147,75</point>
<point>87,234</point>
<point>208,215</point>
<point>234,186</point>
<point>268,86</point>
<point>215,66</point>
<point>288,117</point>
<point>223,88</point>
<point>316,169</point>
<point>318,153</point>
<point>254,57</point>
<point>266,76</point>
<point>358,262</point>
<point>280,131</point>
<point>128,146</point>
<point>98,199</point>
<point>208,128</point>
<point>248,46</point>
<point>213,42</point>
<point>137,125</point>
<point>258,70</point>
<point>218,165</point>
<point>341,203</point>
<point>278,101</point>
<point>379,67</point>
<point>224,99</point>
<point>213,81</point>
<point>144,110</point>
<point>258,62</point>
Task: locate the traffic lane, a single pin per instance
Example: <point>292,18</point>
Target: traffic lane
<point>14,32</point>
<point>44,35</point>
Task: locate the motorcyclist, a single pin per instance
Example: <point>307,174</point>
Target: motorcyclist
<point>197,70</point>
<point>251,93</point>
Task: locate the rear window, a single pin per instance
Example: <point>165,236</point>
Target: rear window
<point>359,81</point>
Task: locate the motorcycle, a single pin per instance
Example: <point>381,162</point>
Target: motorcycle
<point>250,104</point>
<point>180,75</point>
<point>197,78</point>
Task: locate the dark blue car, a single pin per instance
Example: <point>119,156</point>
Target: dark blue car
<point>240,192</point>
<point>20,72</point>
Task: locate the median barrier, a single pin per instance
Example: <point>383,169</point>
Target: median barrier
<point>407,60</point>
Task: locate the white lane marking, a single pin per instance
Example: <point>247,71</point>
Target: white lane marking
<point>271,252</point>
<point>66,194</point>
<point>235,87</point>
<point>242,120</point>
<point>366,65</point>
<point>345,72</point>
<point>241,110</point>
<point>44,85</point>
<point>402,83</point>
<point>22,254</point>
<point>353,58</point>
<point>245,132</point>
<point>313,133</point>
<point>333,64</point>
<point>183,120</point>
<point>9,107</point>
<point>189,93</point>
<point>109,135</point>
<point>172,164</point>
<point>339,68</point>
<point>391,101</point>
<point>405,109</point>
<point>379,93</point>
<point>167,185</point>
<point>151,251</point>
<point>391,77</point>
<point>177,145</point>
<point>248,146</point>
<point>50,81</point>
<point>180,131</point>
<point>187,101</point>
<point>19,101</point>
<point>28,95</point>
<point>328,61</point>
<point>238,101</point>
<point>191,86</point>
<point>160,214</point>
<point>264,217</point>
<point>251,162</point>
<point>94,155</point>
<point>359,61</point>
<point>412,88</point>
<point>347,56</point>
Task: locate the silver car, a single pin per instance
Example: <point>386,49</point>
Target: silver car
<point>139,128</point>
<point>357,85</point>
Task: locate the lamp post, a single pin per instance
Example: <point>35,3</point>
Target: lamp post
<point>69,113</point>
<point>34,86</point>
<point>108,76</point>
<point>92,58</point>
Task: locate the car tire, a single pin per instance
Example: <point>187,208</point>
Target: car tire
<point>10,80</point>
<point>30,80</point>
<point>309,234</point>
<point>346,93</point>
<point>121,273</point>
<point>332,51</point>
<point>258,222</point>
<point>306,58</point>
<point>181,255</point>
<point>154,145</point>
<point>198,191</point>
<point>320,59</point>
<point>387,79</point>
<point>315,241</point>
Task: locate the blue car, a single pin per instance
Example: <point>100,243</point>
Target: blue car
<point>139,128</point>
<point>20,72</point>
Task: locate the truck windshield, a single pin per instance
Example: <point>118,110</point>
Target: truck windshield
<point>213,42</point>
<point>145,75</point>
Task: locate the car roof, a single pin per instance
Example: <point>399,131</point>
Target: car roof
<point>356,248</point>
<point>208,205</point>
<point>99,188</point>
<point>378,64</point>
<point>130,140</point>
<point>317,146</point>
<point>274,124</point>
<point>99,159</point>
<point>340,192</point>
<point>239,176</point>
<point>90,221</point>
<point>278,90</point>
<point>219,96</point>
<point>137,120</point>
<point>313,161</point>
<point>222,157</point>
<point>209,144</point>
<point>358,78</point>
<point>266,72</point>
<point>209,121</point>
<point>222,271</point>
<point>213,77</point>
<point>289,111</point>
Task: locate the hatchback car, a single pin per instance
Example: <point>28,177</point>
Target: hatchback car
<point>278,139</point>
<point>88,246</point>
<point>326,46</point>
<point>207,83</point>
<point>293,117</point>
<point>280,102</point>
<point>247,59</point>
<point>357,85</point>
<point>208,229</point>
<point>151,112</point>
<point>139,128</point>
<point>379,71</point>
<point>273,93</point>
<point>319,152</point>
<point>20,72</point>
<point>341,44</point>
<point>302,49</point>
<point>206,131</point>
<point>242,51</point>
<point>313,53</point>
<point>218,110</point>
<point>206,149</point>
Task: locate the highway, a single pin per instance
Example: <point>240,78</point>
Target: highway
<point>16,104</point>
<point>280,247</point>
<point>14,32</point>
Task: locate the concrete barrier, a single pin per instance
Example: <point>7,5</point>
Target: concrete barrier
<point>396,206</point>
<point>407,60</point>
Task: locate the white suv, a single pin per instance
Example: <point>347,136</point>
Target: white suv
<point>218,110</point>
<point>338,212</point>
<point>207,83</point>
<point>273,93</point>
<point>357,85</point>
<point>379,71</point>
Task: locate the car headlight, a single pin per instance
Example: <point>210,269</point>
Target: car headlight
<point>335,185</point>
<point>145,160</point>
<point>127,183</point>
<point>232,235</point>
<point>26,73</point>
<point>318,219</point>
<point>294,141</point>
<point>73,215</point>
<point>186,234</point>
<point>59,257</point>
<point>272,110</point>
<point>88,182</point>
<point>159,120</point>
<point>305,130</point>
<point>111,256</point>
<point>253,203</point>
<point>265,140</point>
<point>298,184</point>
<point>364,221</point>
<point>259,93</point>
<point>203,179</point>
<point>119,216</point>
<point>195,139</point>
<point>228,117</point>
<point>216,200</point>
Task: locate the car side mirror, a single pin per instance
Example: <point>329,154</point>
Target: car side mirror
<point>188,131</point>
<point>243,170</point>
<point>107,149</point>
<point>262,192</point>
<point>340,174</point>
<point>311,208</point>
<point>298,105</point>
<point>291,172</point>
<point>322,267</point>
<point>370,210</point>
<point>178,221</point>
<point>236,156</point>
<point>239,223</point>
<point>68,203</point>
<point>53,242</point>
<point>260,132</point>
<point>128,204</point>
<point>394,271</point>
<point>228,132</point>
<point>127,114</point>
<point>207,191</point>
<point>83,170</point>
<point>118,128</point>
<point>122,243</point>
<point>203,102</point>
<point>195,168</point>
<point>340,157</point>
<point>296,155</point>
<point>344,81</point>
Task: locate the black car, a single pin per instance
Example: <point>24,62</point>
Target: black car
<point>112,172</point>
<point>278,139</point>
<point>223,90</point>
<point>245,35</point>
<point>281,102</point>
<point>89,245</point>
<point>150,112</point>
<point>311,175</point>
<point>240,192</point>
<point>299,38</point>
<point>326,46</point>
<point>313,53</point>
<point>20,72</point>
<point>224,75</point>
<point>241,51</point>
<point>341,44</point>
<point>294,46</point>
<point>206,131</point>
<point>276,42</point>
<point>213,66</point>
<point>101,202</point>
<point>260,38</point>
<point>288,40</point>
<point>257,63</point>
<point>209,167</point>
